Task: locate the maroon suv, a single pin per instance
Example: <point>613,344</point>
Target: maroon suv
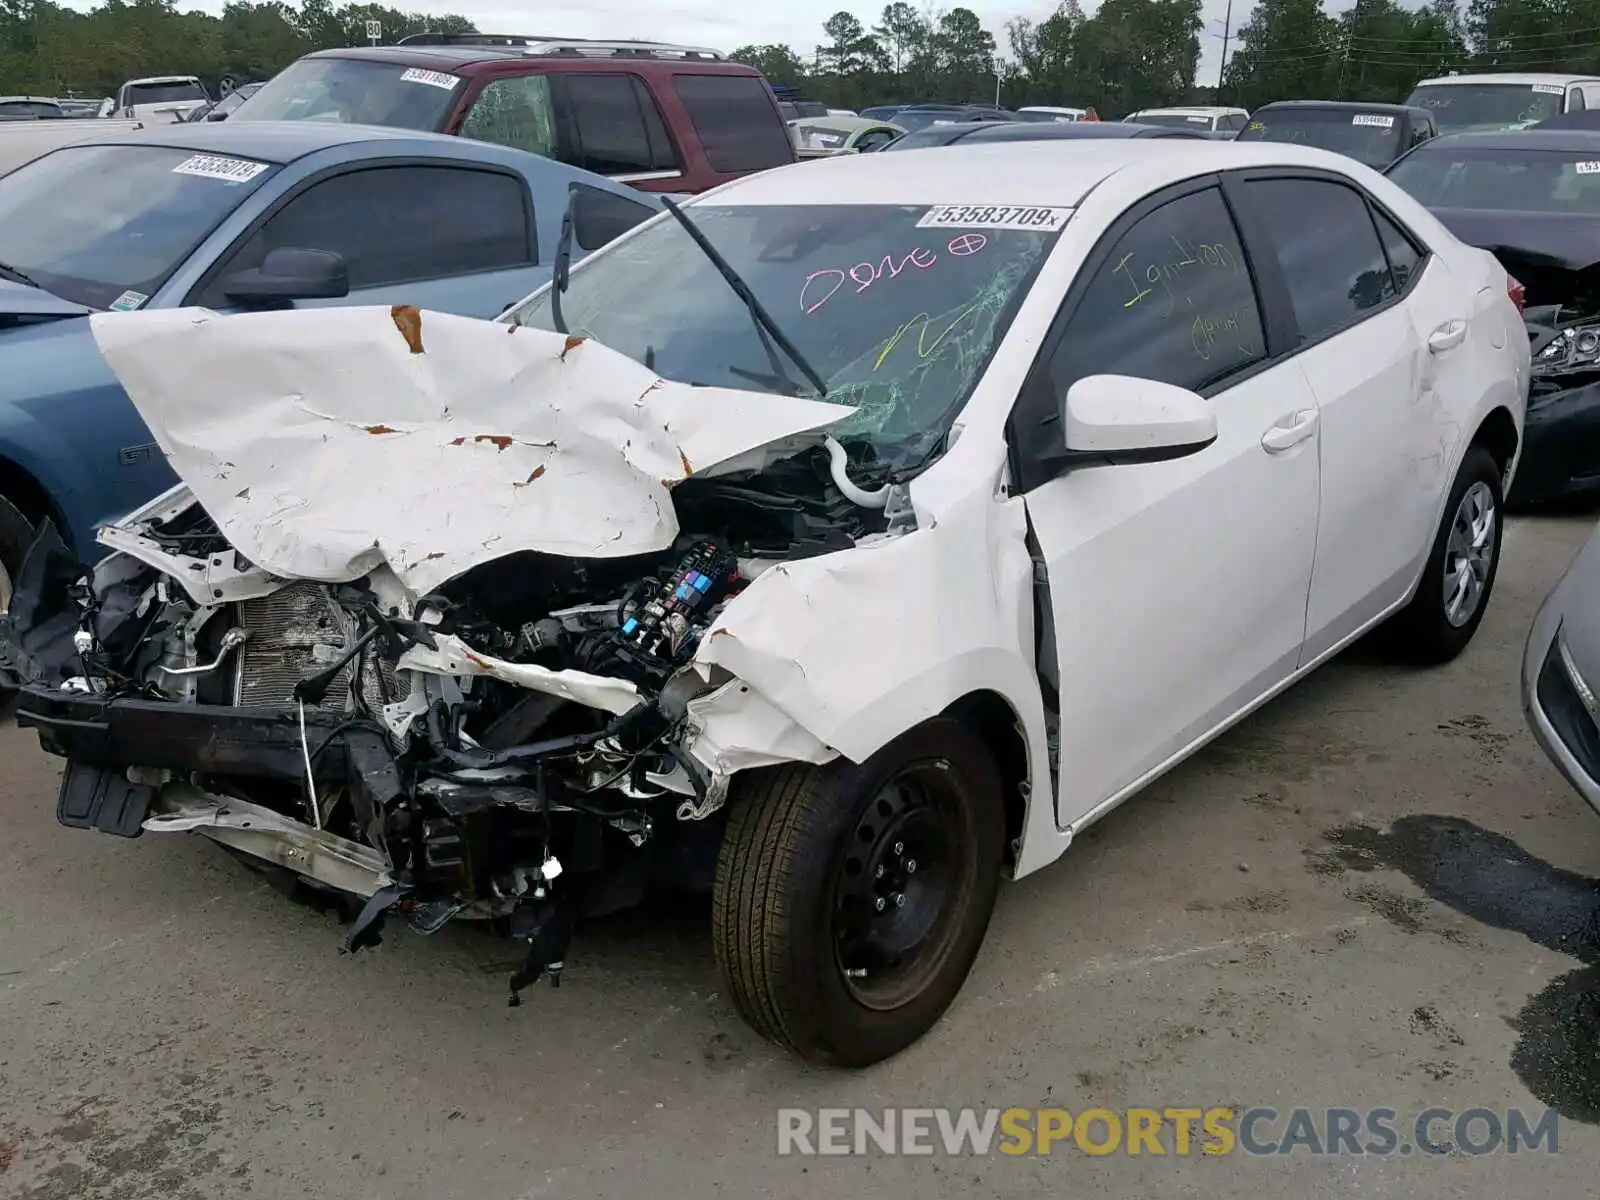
<point>663,118</point>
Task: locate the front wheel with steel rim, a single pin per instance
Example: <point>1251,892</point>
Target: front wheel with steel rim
<point>850,900</point>
<point>1456,582</point>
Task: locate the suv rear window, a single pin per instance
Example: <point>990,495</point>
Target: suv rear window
<point>163,93</point>
<point>354,91</point>
<point>617,129</point>
<point>736,122</point>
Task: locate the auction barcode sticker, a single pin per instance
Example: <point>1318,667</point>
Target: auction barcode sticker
<point>1372,119</point>
<point>215,166</point>
<point>1587,168</point>
<point>436,79</point>
<point>962,216</point>
<point>1549,89</point>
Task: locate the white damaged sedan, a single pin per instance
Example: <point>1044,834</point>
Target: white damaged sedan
<point>841,543</point>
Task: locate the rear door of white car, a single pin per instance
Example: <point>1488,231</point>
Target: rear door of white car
<point>1176,590</point>
<point>1363,329</point>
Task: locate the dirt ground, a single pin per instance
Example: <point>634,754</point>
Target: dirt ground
<point>1374,893</point>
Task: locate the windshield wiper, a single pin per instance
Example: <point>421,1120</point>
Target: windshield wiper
<point>758,311</point>
<point>563,263</point>
<point>17,276</point>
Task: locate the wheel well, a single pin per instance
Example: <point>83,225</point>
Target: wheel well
<point>24,491</point>
<point>1498,435</point>
<point>991,717</point>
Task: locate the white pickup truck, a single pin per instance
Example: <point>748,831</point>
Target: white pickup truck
<point>157,95</point>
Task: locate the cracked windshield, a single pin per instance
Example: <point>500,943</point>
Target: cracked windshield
<point>897,318</point>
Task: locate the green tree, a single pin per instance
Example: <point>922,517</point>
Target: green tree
<point>1046,72</point>
<point>1139,53</point>
<point>901,32</point>
<point>779,63</point>
<point>1285,50</point>
<point>966,58</point>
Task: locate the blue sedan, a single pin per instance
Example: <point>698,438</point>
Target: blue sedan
<point>234,217</point>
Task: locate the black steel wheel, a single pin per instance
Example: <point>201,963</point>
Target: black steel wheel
<point>851,900</point>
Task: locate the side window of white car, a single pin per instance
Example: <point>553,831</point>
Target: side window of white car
<point>1333,264</point>
<point>1405,259</point>
<point>1173,301</point>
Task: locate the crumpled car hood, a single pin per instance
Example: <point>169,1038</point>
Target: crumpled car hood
<point>328,443</point>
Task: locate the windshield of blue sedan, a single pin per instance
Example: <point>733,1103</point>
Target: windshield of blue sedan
<point>354,91</point>
<point>898,308</point>
<point>105,226</point>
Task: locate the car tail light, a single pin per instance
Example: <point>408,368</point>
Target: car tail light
<point>1518,293</point>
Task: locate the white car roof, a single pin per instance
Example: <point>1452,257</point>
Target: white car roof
<point>162,79</point>
<point>1044,173</point>
<point>1049,108</point>
<point>1528,78</point>
<point>1198,110</point>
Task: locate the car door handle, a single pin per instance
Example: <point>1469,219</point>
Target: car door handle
<point>1447,337</point>
<point>1290,431</point>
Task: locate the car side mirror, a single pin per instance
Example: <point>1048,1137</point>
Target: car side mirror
<point>1111,419</point>
<point>291,273</point>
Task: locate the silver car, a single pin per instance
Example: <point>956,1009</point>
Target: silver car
<point>1561,672</point>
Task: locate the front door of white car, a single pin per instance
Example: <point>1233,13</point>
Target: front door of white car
<point>1369,336</point>
<point>1177,590</point>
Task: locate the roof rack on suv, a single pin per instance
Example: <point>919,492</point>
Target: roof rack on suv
<point>586,47</point>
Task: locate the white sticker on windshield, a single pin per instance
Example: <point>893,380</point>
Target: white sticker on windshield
<point>1373,120</point>
<point>1587,168</point>
<point>1549,89</point>
<point>963,216</point>
<point>215,166</point>
<point>128,301</point>
<point>436,79</point>
<point>1198,120</point>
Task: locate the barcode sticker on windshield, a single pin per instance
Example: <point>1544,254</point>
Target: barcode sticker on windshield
<point>1373,120</point>
<point>1587,168</point>
<point>1549,89</point>
<point>436,79</point>
<point>962,216</point>
<point>128,301</point>
<point>214,166</point>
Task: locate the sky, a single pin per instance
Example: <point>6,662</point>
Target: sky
<point>721,26</point>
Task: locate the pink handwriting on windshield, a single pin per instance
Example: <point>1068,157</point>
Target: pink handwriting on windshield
<point>821,286</point>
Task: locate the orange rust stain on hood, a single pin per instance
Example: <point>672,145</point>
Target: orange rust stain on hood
<point>379,429</point>
<point>573,342</point>
<point>408,320</point>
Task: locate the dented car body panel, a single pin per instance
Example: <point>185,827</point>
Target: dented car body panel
<point>510,602</point>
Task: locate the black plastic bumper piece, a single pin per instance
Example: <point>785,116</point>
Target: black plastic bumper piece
<point>98,798</point>
<point>259,743</point>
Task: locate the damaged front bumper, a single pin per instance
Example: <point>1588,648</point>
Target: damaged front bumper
<point>1560,458</point>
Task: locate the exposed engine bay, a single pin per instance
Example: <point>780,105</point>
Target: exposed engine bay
<point>326,728</point>
<point>431,623</point>
<point>1561,454</point>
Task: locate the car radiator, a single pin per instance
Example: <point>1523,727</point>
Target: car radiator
<point>298,632</point>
